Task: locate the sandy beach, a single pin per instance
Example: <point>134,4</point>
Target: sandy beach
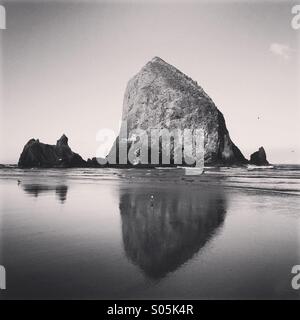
<point>141,234</point>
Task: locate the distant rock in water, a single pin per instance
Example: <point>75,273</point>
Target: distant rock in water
<point>259,158</point>
<point>95,162</point>
<point>37,154</point>
<point>162,97</point>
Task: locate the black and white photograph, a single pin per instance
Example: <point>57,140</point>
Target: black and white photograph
<point>149,151</point>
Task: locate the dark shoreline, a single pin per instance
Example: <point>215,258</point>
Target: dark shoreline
<point>139,166</point>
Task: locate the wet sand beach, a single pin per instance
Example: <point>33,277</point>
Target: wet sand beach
<point>141,234</point>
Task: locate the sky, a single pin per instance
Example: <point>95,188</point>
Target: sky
<point>65,66</point>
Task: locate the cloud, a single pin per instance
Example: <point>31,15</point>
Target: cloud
<point>282,50</point>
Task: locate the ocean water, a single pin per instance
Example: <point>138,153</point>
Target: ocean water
<point>150,234</point>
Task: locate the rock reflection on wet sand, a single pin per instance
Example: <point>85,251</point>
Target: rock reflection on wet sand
<point>37,189</point>
<point>164,229</point>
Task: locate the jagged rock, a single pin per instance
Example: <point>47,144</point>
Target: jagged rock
<point>161,96</point>
<point>37,154</point>
<point>259,158</point>
<point>96,162</point>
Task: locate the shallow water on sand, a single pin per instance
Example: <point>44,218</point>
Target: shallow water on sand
<point>139,234</point>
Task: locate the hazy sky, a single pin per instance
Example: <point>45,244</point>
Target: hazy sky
<point>65,68</point>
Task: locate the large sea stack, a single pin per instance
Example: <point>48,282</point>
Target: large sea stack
<point>38,154</point>
<point>162,97</point>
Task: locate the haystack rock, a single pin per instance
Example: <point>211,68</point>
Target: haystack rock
<point>259,158</point>
<point>38,154</point>
<point>160,96</point>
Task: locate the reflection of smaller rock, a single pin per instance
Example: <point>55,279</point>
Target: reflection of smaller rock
<point>36,189</point>
<point>61,192</point>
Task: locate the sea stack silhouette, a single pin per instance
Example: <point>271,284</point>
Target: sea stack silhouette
<point>38,154</point>
<point>158,97</point>
<point>259,158</point>
<point>162,97</point>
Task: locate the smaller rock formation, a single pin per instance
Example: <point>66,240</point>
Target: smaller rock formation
<point>41,155</point>
<point>259,158</point>
<point>96,162</point>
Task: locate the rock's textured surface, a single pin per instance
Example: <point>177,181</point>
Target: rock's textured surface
<point>160,96</point>
<point>259,158</point>
<point>37,154</point>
